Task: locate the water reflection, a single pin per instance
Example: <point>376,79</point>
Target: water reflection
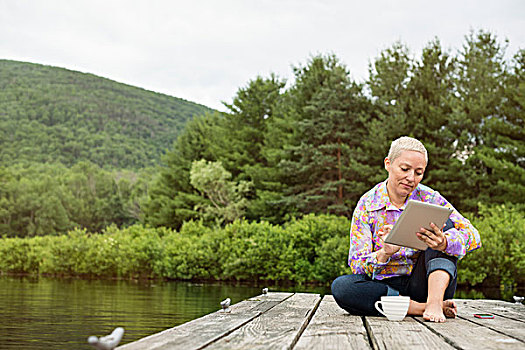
<point>46,313</point>
<point>51,313</point>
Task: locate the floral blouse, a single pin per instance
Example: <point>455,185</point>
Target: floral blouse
<point>374,210</point>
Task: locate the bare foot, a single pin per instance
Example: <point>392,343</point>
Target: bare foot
<point>450,309</point>
<point>434,312</point>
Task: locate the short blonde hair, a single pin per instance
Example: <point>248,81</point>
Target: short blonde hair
<point>405,143</point>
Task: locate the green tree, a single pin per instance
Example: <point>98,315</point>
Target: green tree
<point>501,155</point>
<point>328,115</point>
<point>389,77</point>
<point>243,143</point>
<point>429,103</point>
<point>133,189</point>
<point>479,113</point>
<point>227,201</point>
<point>93,200</point>
<point>32,202</point>
<point>244,126</point>
<point>172,198</point>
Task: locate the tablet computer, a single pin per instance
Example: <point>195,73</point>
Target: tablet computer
<point>416,215</point>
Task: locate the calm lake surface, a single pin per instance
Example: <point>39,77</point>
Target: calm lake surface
<point>47,313</point>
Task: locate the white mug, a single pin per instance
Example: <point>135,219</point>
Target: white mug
<point>394,308</point>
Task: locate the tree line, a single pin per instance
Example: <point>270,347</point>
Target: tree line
<point>50,199</point>
<point>314,144</point>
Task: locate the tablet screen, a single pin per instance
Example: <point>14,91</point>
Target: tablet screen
<point>416,215</point>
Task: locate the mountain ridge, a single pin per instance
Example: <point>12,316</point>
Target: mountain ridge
<point>54,114</point>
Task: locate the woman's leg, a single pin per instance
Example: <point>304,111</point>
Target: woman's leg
<point>428,262</point>
<point>438,282</point>
<point>432,283</point>
<point>357,294</point>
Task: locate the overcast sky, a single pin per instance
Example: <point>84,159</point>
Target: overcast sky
<point>203,51</point>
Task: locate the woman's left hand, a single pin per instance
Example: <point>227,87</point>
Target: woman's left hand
<point>435,238</point>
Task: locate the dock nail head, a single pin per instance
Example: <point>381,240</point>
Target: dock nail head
<point>518,300</point>
<point>225,304</point>
<point>109,342</point>
<point>265,291</point>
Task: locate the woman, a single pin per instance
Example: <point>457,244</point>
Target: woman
<point>379,269</point>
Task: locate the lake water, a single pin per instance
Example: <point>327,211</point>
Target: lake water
<point>46,313</point>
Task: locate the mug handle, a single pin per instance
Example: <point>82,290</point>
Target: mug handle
<point>378,309</point>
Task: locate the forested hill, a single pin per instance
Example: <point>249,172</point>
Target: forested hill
<point>50,114</point>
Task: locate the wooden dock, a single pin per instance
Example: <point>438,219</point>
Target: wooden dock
<point>307,321</point>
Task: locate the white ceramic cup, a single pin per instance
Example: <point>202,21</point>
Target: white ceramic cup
<point>394,308</point>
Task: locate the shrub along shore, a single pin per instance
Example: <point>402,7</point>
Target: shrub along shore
<point>313,248</point>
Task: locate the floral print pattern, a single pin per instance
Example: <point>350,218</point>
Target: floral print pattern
<point>374,210</point>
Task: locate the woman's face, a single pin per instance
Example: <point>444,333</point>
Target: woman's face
<point>404,174</point>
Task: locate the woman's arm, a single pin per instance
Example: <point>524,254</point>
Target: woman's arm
<point>362,259</point>
<point>463,237</point>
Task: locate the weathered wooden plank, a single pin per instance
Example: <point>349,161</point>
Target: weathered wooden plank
<point>279,328</point>
<point>407,334</point>
<point>496,307</point>
<point>333,328</point>
<point>282,320</point>
<point>464,334</point>
<point>280,296</point>
<point>198,333</point>
<point>502,324</point>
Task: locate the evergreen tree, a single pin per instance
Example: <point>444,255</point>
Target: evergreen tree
<point>270,181</point>
<point>328,114</point>
<point>243,128</point>
<point>429,107</point>
<point>389,76</point>
<point>502,153</point>
<point>480,88</point>
<point>172,198</point>
<point>245,141</point>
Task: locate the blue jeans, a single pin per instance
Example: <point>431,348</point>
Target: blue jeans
<point>357,294</point>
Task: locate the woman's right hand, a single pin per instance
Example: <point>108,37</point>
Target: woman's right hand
<point>388,249</point>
